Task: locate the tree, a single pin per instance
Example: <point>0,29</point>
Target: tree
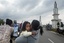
<point>1,21</point>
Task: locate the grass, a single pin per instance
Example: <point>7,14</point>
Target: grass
<point>55,30</point>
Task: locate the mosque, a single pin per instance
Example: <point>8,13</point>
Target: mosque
<point>55,19</point>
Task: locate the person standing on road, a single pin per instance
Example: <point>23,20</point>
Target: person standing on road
<point>16,27</point>
<point>6,31</point>
<point>38,29</point>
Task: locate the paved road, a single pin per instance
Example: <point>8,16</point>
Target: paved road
<point>51,37</point>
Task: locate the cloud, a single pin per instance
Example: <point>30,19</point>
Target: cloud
<point>28,9</point>
<point>30,3</point>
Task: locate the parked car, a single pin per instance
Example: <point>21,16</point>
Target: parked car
<point>60,30</point>
<point>48,27</point>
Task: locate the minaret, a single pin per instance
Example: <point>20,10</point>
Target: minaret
<point>55,10</point>
<point>40,21</point>
<point>55,19</point>
<point>40,18</point>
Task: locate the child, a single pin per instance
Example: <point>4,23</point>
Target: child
<point>26,29</point>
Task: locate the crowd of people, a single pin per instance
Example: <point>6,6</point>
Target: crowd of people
<point>26,33</point>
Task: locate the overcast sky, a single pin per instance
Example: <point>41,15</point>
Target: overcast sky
<point>27,10</point>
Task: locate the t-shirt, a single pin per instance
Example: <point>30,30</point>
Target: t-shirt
<point>15,33</point>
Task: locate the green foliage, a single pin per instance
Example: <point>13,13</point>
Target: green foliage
<point>1,21</point>
<point>54,30</point>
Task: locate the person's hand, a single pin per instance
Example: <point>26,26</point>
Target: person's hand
<point>33,33</point>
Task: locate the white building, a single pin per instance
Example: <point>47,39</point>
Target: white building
<point>55,19</point>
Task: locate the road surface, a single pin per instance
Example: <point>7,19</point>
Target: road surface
<point>51,37</point>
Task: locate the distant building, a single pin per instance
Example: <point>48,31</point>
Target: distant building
<point>55,19</point>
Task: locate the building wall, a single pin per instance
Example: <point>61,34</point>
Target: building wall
<point>55,10</point>
<point>56,17</point>
<point>54,24</point>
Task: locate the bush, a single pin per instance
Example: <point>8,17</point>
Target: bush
<point>55,30</point>
<point>1,21</point>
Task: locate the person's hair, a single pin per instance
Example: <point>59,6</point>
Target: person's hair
<point>36,26</point>
<point>15,22</point>
<point>24,25</point>
<point>8,22</point>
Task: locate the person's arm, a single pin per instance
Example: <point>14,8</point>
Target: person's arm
<point>26,34</point>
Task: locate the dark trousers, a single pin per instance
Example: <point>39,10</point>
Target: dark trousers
<point>10,40</point>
